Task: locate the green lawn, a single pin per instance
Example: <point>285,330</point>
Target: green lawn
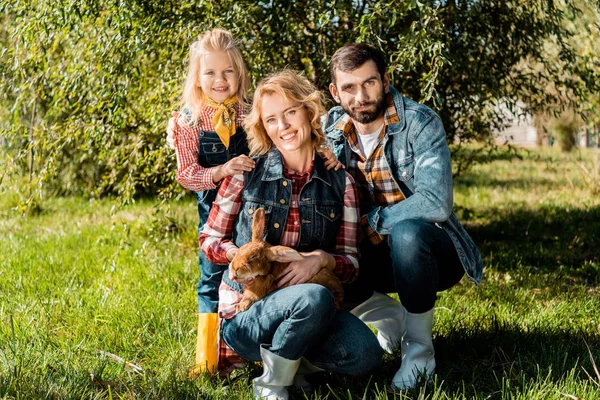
<point>78,282</point>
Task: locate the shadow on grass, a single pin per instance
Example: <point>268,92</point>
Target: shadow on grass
<point>480,364</point>
<point>546,239</point>
<point>482,359</point>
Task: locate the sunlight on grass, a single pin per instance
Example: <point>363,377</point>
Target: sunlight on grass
<point>82,279</point>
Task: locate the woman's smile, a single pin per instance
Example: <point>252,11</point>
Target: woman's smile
<point>286,123</point>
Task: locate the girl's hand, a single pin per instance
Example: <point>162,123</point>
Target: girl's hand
<point>171,127</point>
<point>303,270</point>
<point>231,253</point>
<point>237,165</point>
<point>331,160</point>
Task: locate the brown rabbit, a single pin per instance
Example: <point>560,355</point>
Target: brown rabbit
<point>257,264</point>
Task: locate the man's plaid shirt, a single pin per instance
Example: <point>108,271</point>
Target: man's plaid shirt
<point>374,181</point>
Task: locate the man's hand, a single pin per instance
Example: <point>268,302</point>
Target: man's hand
<point>303,270</point>
<point>237,165</point>
<point>331,160</point>
<point>171,127</point>
<point>368,232</point>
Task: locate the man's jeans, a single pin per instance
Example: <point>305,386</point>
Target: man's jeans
<point>417,261</point>
<point>301,320</point>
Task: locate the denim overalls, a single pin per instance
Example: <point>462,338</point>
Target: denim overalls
<point>212,152</point>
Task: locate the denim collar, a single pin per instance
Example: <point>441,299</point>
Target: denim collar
<point>274,168</point>
<point>336,128</point>
<point>392,129</point>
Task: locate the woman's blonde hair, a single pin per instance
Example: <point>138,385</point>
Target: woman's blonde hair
<point>209,42</point>
<point>292,86</point>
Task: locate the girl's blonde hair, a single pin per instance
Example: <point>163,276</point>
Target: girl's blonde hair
<point>208,42</point>
<point>292,86</point>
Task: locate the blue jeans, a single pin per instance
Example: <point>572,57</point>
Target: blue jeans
<point>417,261</point>
<point>210,274</point>
<point>301,320</point>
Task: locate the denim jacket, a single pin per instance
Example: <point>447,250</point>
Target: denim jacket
<point>321,205</point>
<point>417,153</point>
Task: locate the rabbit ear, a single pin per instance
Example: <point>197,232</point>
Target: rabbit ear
<point>283,254</point>
<point>258,225</point>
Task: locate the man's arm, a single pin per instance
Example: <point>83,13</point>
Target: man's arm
<point>432,197</point>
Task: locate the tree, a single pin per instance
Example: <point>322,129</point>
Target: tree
<point>87,86</point>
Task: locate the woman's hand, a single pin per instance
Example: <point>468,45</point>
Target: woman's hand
<point>303,270</point>
<point>331,160</point>
<point>237,165</point>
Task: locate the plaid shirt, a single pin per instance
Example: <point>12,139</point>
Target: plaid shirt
<point>374,181</point>
<point>190,174</point>
<point>215,241</point>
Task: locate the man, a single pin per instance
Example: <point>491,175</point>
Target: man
<point>413,244</point>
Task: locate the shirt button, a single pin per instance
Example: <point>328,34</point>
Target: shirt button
<point>250,211</point>
<point>295,222</point>
<point>285,183</point>
<point>331,215</point>
<point>276,225</point>
<point>282,201</point>
<point>293,203</point>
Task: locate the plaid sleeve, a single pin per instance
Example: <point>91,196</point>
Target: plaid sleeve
<point>190,174</point>
<point>215,238</point>
<point>346,248</point>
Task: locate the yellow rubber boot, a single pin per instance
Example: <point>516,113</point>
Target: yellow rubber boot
<point>206,344</point>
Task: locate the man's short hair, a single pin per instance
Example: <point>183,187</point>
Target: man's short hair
<point>353,56</point>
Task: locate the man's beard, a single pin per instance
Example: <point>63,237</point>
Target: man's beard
<point>366,117</point>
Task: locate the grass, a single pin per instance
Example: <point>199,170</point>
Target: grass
<point>79,284</point>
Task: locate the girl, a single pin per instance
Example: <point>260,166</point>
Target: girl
<point>211,144</point>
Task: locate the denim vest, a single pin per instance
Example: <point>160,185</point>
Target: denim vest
<point>417,154</point>
<point>212,152</point>
<point>320,203</point>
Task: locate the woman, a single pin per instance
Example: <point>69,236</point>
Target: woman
<point>296,329</point>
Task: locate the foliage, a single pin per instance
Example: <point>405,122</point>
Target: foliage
<point>74,294</point>
<point>563,118</point>
<point>87,85</point>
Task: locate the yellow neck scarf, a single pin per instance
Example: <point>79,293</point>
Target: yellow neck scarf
<point>224,119</point>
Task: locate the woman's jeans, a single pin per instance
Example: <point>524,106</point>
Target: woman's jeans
<point>417,260</point>
<point>301,321</point>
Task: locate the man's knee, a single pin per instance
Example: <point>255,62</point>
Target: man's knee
<point>408,239</point>
<point>409,233</point>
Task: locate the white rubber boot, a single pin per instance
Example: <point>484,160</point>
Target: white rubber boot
<point>278,372</point>
<point>305,368</point>
<point>387,316</point>
<point>418,356</point>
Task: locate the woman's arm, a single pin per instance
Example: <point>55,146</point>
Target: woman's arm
<point>346,247</point>
<point>344,263</point>
<point>215,237</point>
